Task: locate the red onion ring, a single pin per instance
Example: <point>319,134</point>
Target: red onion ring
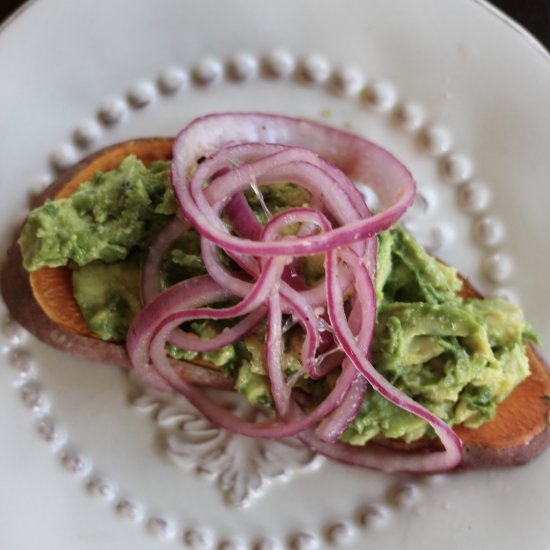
<point>193,291</point>
<point>241,150</point>
<point>280,390</point>
<point>225,419</point>
<point>437,461</point>
<point>162,329</point>
<point>150,278</point>
<point>358,158</point>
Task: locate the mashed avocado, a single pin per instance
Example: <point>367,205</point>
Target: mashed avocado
<point>225,357</point>
<point>108,296</point>
<point>458,357</point>
<point>104,219</point>
<point>277,197</point>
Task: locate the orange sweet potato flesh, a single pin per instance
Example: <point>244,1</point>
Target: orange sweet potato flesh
<point>43,302</point>
<point>52,287</point>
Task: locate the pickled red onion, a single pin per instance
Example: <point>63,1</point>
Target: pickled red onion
<point>215,159</point>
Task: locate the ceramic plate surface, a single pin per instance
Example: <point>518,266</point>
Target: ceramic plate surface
<point>453,89</point>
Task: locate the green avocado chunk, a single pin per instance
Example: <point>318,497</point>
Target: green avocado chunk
<point>108,296</point>
<point>457,357</point>
<point>255,387</point>
<point>276,198</point>
<point>222,357</point>
<point>103,220</point>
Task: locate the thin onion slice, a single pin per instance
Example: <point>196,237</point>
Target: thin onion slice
<point>359,159</point>
<point>216,159</point>
<point>437,461</point>
<point>164,240</point>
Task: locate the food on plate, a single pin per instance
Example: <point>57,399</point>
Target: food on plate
<point>241,256</point>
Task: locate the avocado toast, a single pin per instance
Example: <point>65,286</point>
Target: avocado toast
<point>502,429</point>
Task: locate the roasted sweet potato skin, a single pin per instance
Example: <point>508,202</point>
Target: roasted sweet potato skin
<point>43,303</point>
<point>19,297</point>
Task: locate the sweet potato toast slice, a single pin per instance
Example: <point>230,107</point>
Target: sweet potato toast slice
<point>43,303</point>
<point>52,287</point>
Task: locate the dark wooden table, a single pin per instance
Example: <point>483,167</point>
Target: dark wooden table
<point>532,14</point>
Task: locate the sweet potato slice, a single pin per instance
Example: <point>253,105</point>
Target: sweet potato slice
<point>52,287</point>
<point>44,304</point>
<point>43,300</point>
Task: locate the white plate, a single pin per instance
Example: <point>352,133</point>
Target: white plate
<point>453,88</point>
